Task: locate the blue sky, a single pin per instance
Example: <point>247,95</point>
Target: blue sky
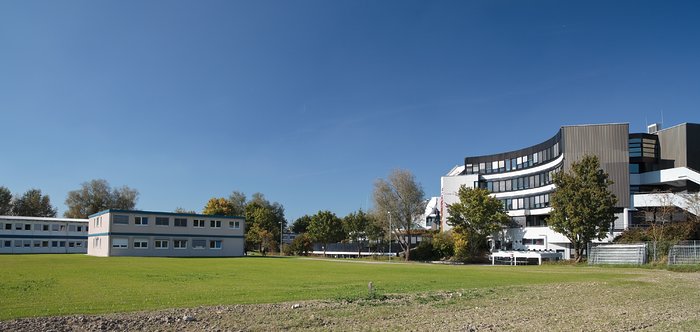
<point>310,102</point>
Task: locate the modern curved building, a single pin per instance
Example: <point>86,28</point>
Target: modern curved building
<point>640,164</point>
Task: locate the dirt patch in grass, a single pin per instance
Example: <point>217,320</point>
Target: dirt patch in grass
<point>655,301</point>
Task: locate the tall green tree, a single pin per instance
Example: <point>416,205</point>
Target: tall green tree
<point>301,224</point>
<point>583,207</point>
<point>97,195</point>
<point>355,225</point>
<point>326,228</point>
<point>33,204</point>
<point>400,198</point>
<point>219,206</point>
<point>476,216</point>
<point>5,201</point>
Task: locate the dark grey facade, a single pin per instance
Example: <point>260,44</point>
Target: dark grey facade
<point>608,142</point>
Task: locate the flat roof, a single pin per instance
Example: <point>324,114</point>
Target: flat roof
<point>164,214</point>
<point>44,219</point>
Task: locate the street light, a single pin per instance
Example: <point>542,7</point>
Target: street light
<point>390,253</point>
<point>281,235</point>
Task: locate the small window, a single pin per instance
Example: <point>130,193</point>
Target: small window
<point>45,228</point>
<point>162,221</point>
<point>215,244</point>
<point>54,244</point>
<point>161,244</point>
<point>18,243</point>
<point>199,244</point>
<point>8,227</point>
<point>37,244</point>
<point>198,223</point>
<point>120,243</point>
<point>120,219</point>
<point>8,243</point>
<point>180,244</point>
<point>37,227</point>
<point>18,227</point>
<point>143,221</point>
<point>215,223</point>
<point>141,243</point>
<point>27,227</point>
<point>180,222</point>
<point>44,244</point>
<point>234,224</point>
<point>62,244</point>
<point>71,228</point>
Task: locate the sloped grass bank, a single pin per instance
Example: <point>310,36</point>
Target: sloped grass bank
<point>48,285</point>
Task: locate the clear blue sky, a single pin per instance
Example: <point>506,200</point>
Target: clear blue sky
<point>309,102</point>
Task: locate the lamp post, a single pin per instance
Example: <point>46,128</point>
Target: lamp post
<point>390,253</point>
<point>281,235</point>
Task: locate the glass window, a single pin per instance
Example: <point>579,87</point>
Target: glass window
<point>120,219</point>
<point>509,186</point>
<point>8,226</point>
<point>120,243</point>
<point>234,224</point>
<point>634,168</point>
<point>501,165</point>
<point>72,228</point>
<point>215,244</point>
<point>199,244</point>
<point>198,223</point>
<point>502,185</point>
<point>27,227</point>
<point>162,221</point>
<point>141,243</point>
<point>489,186</point>
<point>507,164</point>
<point>180,222</point>
<point>161,244</point>
<point>482,167</point>
<point>143,221</point>
<point>215,223</point>
<point>180,244</point>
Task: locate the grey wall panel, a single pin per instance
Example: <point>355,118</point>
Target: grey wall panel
<point>672,146</point>
<point>609,142</point>
<point>693,145</point>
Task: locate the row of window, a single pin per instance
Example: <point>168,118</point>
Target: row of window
<point>123,243</point>
<point>643,147</point>
<point>177,222</point>
<point>526,203</point>
<point>507,165</point>
<point>44,227</point>
<point>520,183</point>
<point>43,244</point>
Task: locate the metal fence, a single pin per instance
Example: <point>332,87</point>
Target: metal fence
<point>617,254</point>
<point>685,252</point>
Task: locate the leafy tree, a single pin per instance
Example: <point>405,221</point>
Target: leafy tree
<point>33,204</point>
<point>301,225</point>
<point>355,226</point>
<point>326,227</point>
<point>5,201</point>
<point>375,232</point>
<point>97,195</point>
<point>583,208</point>
<point>475,217</point>
<point>183,210</point>
<point>219,206</point>
<point>402,197</point>
<point>301,245</point>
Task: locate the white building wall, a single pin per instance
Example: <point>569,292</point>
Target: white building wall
<point>38,235</point>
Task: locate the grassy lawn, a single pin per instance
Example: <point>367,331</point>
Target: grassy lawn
<point>43,285</point>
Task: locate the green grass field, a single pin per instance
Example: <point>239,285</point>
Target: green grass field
<point>45,285</point>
